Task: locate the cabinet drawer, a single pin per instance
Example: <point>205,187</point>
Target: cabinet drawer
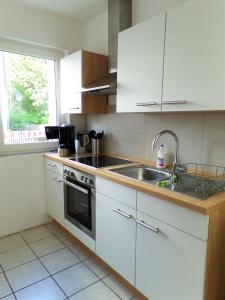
<point>182,218</point>
<point>116,191</point>
<point>53,166</point>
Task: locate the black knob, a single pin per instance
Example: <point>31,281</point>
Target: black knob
<point>86,179</point>
<point>82,177</point>
<point>72,174</point>
<point>91,181</point>
<point>68,173</point>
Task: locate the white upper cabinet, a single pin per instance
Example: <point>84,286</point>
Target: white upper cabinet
<point>194,68</point>
<point>78,70</point>
<point>140,66</point>
<point>71,82</point>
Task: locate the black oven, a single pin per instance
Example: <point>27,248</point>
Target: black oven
<point>79,197</point>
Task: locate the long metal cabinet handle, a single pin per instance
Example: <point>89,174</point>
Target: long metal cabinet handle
<point>76,187</point>
<point>57,180</point>
<point>51,165</point>
<point>175,102</point>
<point>142,223</point>
<point>146,103</point>
<point>122,213</point>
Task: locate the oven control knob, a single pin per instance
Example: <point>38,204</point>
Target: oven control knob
<point>68,173</point>
<point>72,174</point>
<point>82,178</point>
<point>91,181</point>
<point>86,180</point>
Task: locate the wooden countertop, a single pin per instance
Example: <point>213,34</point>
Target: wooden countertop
<point>204,207</point>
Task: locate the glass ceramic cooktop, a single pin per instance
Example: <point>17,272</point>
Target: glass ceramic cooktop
<point>100,161</point>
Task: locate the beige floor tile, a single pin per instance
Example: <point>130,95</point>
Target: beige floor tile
<point>96,267</point>
<point>97,291</point>
<point>79,252</point>
<point>118,288</point>
<point>46,246</point>
<point>59,260</point>
<point>55,228</point>
<point>36,234</point>
<point>44,290</point>
<point>26,274</point>
<point>65,238</point>
<point>75,278</point>
<point>11,242</point>
<point>16,257</point>
<point>4,286</point>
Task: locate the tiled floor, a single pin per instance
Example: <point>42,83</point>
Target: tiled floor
<point>44,263</point>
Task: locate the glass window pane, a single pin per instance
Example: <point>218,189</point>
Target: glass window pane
<point>28,97</point>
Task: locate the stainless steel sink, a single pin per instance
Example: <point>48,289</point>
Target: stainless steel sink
<point>143,173</point>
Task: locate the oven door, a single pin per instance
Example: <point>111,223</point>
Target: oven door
<point>80,206</point>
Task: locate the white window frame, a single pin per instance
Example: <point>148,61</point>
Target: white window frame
<point>42,52</point>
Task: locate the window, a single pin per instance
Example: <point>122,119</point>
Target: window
<point>28,97</point>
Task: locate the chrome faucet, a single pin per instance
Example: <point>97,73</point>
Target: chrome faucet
<point>176,164</point>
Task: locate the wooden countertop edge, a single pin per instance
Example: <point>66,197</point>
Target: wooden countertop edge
<point>203,207</point>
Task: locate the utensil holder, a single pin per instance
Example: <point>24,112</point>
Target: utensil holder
<point>97,146</point>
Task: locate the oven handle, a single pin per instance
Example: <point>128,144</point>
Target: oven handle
<point>76,187</point>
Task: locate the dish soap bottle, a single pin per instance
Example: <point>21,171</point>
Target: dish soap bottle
<point>161,158</point>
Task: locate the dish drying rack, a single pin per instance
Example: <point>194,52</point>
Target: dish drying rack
<point>199,180</point>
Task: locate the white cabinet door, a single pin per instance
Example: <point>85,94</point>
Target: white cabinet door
<point>170,264</point>
<point>71,83</point>
<point>115,235</point>
<point>140,66</point>
<point>55,196</point>
<point>195,56</point>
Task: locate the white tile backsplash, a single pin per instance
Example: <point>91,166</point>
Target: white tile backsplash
<point>201,135</point>
<point>125,143</point>
<point>213,150</point>
<point>129,123</point>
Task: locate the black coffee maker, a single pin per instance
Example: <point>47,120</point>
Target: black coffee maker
<point>64,133</point>
<point>67,137</point>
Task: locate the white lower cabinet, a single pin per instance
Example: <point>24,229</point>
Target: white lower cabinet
<point>115,235</point>
<point>55,196</point>
<point>157,246</point>
<point>170,264</point>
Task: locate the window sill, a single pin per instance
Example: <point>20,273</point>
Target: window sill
<point>15,149</point>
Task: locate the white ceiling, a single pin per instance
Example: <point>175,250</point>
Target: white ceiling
<point>81,10</point>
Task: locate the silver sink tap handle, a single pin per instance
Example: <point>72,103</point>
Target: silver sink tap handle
<point>176,163</point>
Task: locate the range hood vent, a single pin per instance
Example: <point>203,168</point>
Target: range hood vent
<point>119,19</point>
<point>104,86</point>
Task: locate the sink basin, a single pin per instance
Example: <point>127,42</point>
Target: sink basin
<point>143,173</point>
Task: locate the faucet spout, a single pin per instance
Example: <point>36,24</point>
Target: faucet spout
<point>155,140</point>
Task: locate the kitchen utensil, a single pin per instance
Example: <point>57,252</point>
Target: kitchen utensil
<point>92,134</point>
<point>100,135</point>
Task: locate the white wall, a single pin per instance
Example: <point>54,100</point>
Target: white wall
<point>22,193</point>
<point>33,25</point>
<point>202,135</point>
<point>144,9</point>
<point>22,189</point>
<point>95,36</point>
